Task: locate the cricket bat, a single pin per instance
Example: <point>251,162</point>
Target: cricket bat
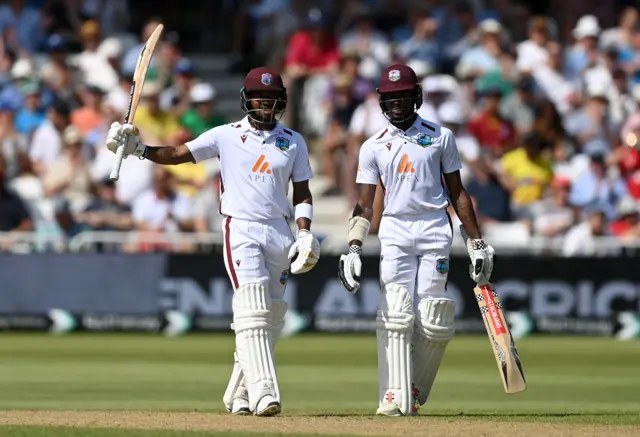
<point>504,347</point>
<point>142,66</point>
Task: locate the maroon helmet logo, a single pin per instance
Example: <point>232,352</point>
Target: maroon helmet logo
<point>266,79</point>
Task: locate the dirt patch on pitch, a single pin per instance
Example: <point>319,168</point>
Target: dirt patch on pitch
<point>327,425</point>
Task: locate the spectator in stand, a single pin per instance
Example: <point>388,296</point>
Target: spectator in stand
<point>14,215</point>
<point>451,116</point>
<point>552,216</point>
<point>176,97</point>
<point>596,186</point>
<point>70,178</point>
<point>106,212</point>
<point>30,116</point>
<point>495,134</point>
<point>621,37</point>
<point>162,209</point>
<point>57,73</point>
<point>13,145</point>
<point>585,49</point>
<point>534,52</point>
<point>46,145</point>
<point>519,107</point>
<point>626,226</point>
<point>94,67</point>
<point>486,57</point>
<point>581,239</point>
<point>118,97</point>
<point>528,171</point>
<point>202,115</point>
<point>457,33</point>
<point>131,57</point>
<point>371,45</point>
<point>438,89</point>
<point>422,45</point>
<point>343,106</point>
<point>90,116</point>
<point>489,194</point>
<point>25,21</point>
<point>589,127</point>
<point>206,218</point>
<point>160,127</point>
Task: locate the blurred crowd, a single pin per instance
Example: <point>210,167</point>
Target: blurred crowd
<point>66,70</point>
<point>547,121</point>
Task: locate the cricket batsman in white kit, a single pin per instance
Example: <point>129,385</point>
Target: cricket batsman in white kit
<point>415,321</point>
<point>258,157</point>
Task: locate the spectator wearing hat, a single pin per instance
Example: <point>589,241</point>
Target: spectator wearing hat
<point>451,116</point>
<point>495,134</point>
<point>13,145</point>
<point>597,185</point>
<point>202,115</point>
<point>32,114</point>
<point>106,212</point>
<point>94,67</point>
<point>89,116</point>
<point>581,240</point>
<point>176,97</point>
<point>22,71</point>
<point>553,216</point>
<point>626,225</point>
<point>585,49</point>
<point>69,178</point>
<point>46,144</point>
<point>25,20</point>
<point>158,126</point>
<point>528,171</point>
<point>486,56</point>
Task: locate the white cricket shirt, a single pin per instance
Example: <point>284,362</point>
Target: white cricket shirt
<point>255,167</point>
<point>410,165</point>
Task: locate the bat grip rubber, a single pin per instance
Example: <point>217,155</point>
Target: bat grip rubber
<point>115,171</point>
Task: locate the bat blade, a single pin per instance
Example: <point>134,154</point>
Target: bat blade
<point>504,347</point>
<point>142,66</point>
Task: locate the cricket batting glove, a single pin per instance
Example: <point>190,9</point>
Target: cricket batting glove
<point>305,252</point>
<point>350,268</point>
<point>481,255</point>
<point>125,135</point>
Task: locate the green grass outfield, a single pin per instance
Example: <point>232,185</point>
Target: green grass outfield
<point>173,387</point>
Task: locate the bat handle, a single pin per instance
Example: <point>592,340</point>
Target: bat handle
<point>115,171</point>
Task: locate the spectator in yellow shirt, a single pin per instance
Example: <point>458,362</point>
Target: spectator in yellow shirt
<point>158,127</point>
<point>527,171</point>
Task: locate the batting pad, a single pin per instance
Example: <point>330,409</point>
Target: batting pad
<point>278,311</point>
<point>433,332</point>
<point>235,382</point>
<point>252,320</point>
<point>394,325</point>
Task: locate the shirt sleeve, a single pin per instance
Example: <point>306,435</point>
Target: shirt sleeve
<point>301,166</point>
<point>205,146</point>
<point>367,167</point>
<point>450,158</point>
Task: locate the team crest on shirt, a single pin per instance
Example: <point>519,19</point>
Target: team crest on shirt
<point>394,75</point>
<point>284,277</point>
<point>442,266</point>
<point>266,79</point>
<point>282,144</point>
<point>424,140</point>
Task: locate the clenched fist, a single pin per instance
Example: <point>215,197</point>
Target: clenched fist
<point>127,136</point>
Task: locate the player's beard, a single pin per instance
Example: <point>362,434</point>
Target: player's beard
<point>397,113</point>
<point>269,111</point>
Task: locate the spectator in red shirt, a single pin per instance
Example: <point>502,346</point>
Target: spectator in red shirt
<point>627,225</point>
<point>495,134</point>
<point>313,49</point>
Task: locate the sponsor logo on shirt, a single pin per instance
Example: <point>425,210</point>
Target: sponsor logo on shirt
<point>261,171</point>
<point>406,170</point>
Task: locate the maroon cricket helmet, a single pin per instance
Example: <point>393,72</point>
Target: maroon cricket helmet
<point>263,79</point>
<point>396,78</point>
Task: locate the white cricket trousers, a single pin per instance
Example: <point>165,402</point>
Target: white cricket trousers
<point>415,253</point>
<point>256,251</point>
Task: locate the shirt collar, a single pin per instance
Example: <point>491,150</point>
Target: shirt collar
<point>246,126</point>
<point>415,128</point>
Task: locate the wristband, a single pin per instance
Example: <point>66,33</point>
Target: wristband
<point>304,210</point>
<point>358,229</point>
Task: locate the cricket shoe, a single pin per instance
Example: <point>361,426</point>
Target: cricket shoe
<point>268,406</point>
<point>389,409</point>
<point>240,405</point>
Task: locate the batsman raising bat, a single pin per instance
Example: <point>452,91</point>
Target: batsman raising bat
<point>415,319</point>
<point>258,157</point>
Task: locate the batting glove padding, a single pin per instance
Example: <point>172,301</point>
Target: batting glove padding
<point>481,255</point>
<point>125,135</point>
<point>350,269</point>
<point>305,252</point>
